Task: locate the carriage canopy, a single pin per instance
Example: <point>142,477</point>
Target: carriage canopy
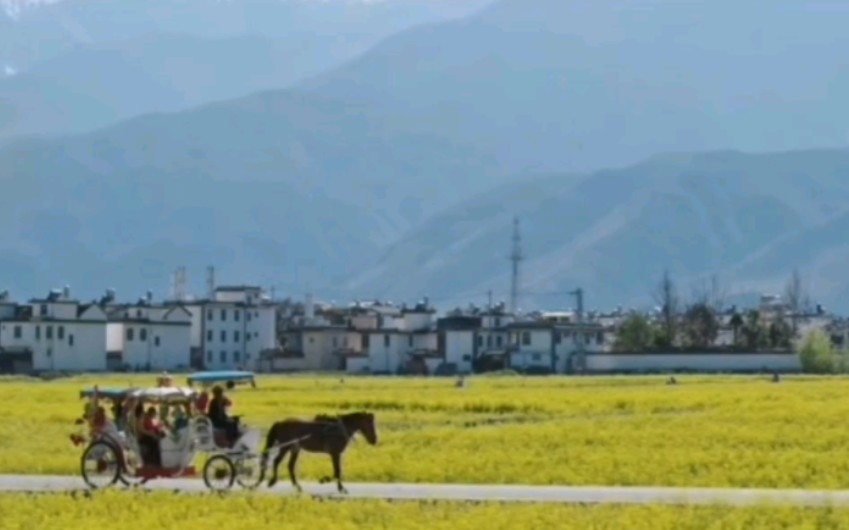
<point>210,378</point>
<point>115,394</point>
<point>160,394</point>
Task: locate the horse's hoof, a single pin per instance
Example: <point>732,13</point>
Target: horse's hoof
<point>271,483</point>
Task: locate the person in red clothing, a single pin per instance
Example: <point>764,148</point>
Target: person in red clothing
<point>202,402</point>
<point>149,433</point>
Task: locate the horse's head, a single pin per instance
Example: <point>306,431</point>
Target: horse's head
<point>366,424</point>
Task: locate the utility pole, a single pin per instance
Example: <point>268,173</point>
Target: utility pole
<point>516,257</point>
<point>579,321</point>
<point>210,282</point>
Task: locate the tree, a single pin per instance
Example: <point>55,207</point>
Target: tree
<point>666,295</point>
<point>710,292</point>
<point>635,334</point>
<point>780,333</point>
<point>701,325</point>
<point>753,334</point>
<point>796,298</point>
<point>736,323</point>
<point>818,356</point>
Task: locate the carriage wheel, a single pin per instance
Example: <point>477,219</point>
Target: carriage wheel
<point>219,473</point>
<point>248,471</point>
<point>128,475</point>
<point>100,465</point>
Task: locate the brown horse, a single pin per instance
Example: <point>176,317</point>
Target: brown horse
<point>324,434</point>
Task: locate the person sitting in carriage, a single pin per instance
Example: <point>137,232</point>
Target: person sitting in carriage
<point>148,432</point>
<point>217,413</point>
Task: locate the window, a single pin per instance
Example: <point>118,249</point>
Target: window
<point>498,341</point>
<point>536,357</point>
<point>599,338</point>
<point>156,341</point>
<point>236,315</point>
<point>17,332</point>
<point>223,357</point>
<point>223,315</point>
<point>48,332</point>
<point>129,333</point>
<point>489,341</point>
<point>60,332</point>
<point>209,335</point>
<point>467,358</point>
<point>235,336</point>
<point>143,335</point>
<point>248,316</point>
<point>410,341</point>
<point>43,310</point>
<point>526,338</point>
<point>335,342</point>
<point>70,339</point>
<point>138,313</point>
<point>497,322</point>
<point>209,317</point>
<point>235,356</point>
<point>209,356</point>
<point>386,341</point>
<point>558,337</point>
<point>223,335</point>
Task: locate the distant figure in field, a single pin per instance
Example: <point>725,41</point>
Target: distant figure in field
<point>672,381</point>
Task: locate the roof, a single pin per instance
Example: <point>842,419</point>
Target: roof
<point>220,376</point>
<point>237,288</point>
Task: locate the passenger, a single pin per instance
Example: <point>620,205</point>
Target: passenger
<point>218,415</point>
<point>202,402</point>
<point>149,432</point>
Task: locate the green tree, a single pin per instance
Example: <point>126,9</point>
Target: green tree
<point>701,325</point>
<point>635,334</point>
<point>753,333</point>
<point>736,323</point>
<point>818,356</point>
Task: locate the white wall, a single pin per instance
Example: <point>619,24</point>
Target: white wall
<point>247,331</point>
<point>389,358</point>
<point>357,365</point>
<point>719,362</point>
<point>417,321</point>
<point>114,336</point>
<point>459,349</point>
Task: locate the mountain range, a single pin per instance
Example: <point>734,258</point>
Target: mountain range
<point>629,137</point>
<point>77,65</point>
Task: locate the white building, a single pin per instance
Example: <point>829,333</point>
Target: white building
<point>58,332</point>
<point>145,336</point>
<point>233,328</point>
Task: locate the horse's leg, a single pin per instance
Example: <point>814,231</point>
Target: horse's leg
<point>337,470</point>
<point>293,461</point>
<point>276,464</point>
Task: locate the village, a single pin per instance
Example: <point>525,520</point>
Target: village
<point>242,327</point>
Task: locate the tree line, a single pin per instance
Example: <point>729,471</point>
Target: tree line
<point>694,323</point>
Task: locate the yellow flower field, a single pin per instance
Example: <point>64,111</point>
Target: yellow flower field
<point>164,510</point>
<point>729,431</point>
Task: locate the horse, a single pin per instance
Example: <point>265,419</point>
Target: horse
<point>324,434</point>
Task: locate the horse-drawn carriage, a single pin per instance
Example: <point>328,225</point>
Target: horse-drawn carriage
<point>113,452</point>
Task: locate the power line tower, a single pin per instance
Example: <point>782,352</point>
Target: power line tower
<point>515,257</point>
<point>580,354</point>
<point>178,287</point>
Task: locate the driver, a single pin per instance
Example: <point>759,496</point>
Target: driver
<point>217,413</point>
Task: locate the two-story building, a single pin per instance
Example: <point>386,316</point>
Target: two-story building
<point>147,336</point>
<point>232,328</point>
<point>57,332</point>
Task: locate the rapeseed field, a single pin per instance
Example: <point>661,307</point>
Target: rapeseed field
<point>703,431</point>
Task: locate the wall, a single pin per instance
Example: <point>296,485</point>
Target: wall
<point>708,362</point>
<point>460,349</point>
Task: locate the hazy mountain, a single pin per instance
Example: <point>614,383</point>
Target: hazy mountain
<point>582,85</point>
<point>749,218</point>
<point>77,65</point>
<point>274,188</point>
